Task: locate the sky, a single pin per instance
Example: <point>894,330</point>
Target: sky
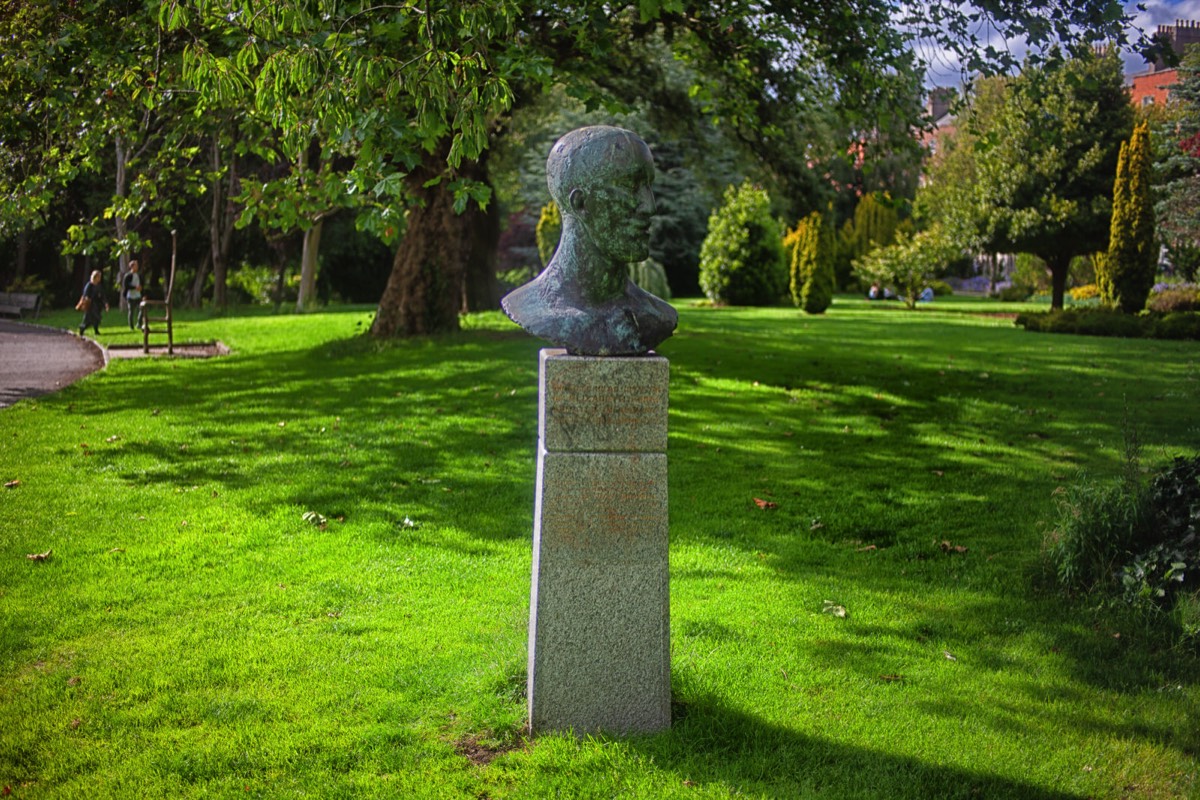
<point>1159,12</point>
<point>943,72</point>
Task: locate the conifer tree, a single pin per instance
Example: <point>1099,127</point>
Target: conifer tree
<point>1126,273</point>
<point>742,261</point>
<point>809,249</point>
<point>1178,171</point>
<point>873,226</point>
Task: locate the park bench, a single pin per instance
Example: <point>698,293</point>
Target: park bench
<point>15,304</point>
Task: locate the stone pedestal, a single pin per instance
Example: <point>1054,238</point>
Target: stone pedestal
<point>599,635</point>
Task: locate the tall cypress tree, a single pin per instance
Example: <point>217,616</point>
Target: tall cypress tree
<point>810,255</point>
<point>1126,274</point>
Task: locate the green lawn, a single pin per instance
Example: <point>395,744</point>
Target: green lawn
<point>194,635</point>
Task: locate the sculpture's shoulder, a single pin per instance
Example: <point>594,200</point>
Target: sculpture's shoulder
<point>538,309</point>
<point>631,323</point>
<point>654,307</point>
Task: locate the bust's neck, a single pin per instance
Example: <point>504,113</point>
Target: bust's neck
<point>596,277</point>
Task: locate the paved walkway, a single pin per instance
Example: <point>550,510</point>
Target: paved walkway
<point>35,360</point>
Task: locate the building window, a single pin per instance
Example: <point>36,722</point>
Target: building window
<point>1148,100</point>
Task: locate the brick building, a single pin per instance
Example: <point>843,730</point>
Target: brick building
<point>1153,87</point>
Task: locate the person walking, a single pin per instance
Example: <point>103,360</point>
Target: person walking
<point>131,288</point>
<point>92,304</point>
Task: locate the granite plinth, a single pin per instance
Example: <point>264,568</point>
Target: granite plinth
<point>616,404</point>
<point>599,629</point>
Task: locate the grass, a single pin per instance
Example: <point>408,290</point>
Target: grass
<point>193,635</point>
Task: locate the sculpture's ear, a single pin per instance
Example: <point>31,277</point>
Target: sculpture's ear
<point>577,200</point>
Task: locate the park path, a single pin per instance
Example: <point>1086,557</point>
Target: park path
<point>35,360</point>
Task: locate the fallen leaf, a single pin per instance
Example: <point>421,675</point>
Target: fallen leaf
<point>12,484</point>
<point>117,550</point>
<point>74,680</point>
<point>315,519</point>
<point>949,656</point>
<point>816,525</point>
<point>833,608</point>
<point>39,556</point>
<point>408,523</point>
<point>866,549</point>
<point>283,424</point>
<point>947,547</point>
<point>75,723</point>
<point>112,438</point>
<point>938,472</point>
<point>891,678</point>
<point>765,504</point>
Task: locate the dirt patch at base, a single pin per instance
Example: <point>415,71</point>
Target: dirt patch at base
<point>185,350</point>
<point>481,754</point>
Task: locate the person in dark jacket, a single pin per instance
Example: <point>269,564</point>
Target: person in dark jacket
<point>95,310</point>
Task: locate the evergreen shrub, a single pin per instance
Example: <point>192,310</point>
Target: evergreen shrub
<point>1110,322</point>
<point>1016,293</point>
<point>651,276</point>
<point>1126,272</point>
<point>742,260</point>
<point>810,251</point>
<point>874,225</point>
<point>549,229</point>
<point>1175,298</point>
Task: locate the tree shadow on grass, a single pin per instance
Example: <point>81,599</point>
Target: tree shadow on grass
<point>710,742</point>
<point>347,428</point>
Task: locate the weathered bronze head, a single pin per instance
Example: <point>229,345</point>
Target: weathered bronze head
<point>600,178</point>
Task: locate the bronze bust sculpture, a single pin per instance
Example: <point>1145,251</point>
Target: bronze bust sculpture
<point>600,179</point>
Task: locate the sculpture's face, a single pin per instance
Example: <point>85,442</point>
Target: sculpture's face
<point>617,211</point>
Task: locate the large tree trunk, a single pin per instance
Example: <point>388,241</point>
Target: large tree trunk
<point>1059,265</point>
<point>220,222</point>
<point>480,288</point>
<point>446,262</point>
<point>424,292</point>
<point>308,266</point>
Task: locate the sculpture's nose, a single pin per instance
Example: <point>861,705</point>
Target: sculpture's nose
<point>646,201</point>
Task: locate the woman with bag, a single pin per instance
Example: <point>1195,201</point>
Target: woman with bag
<point>92,304</point>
